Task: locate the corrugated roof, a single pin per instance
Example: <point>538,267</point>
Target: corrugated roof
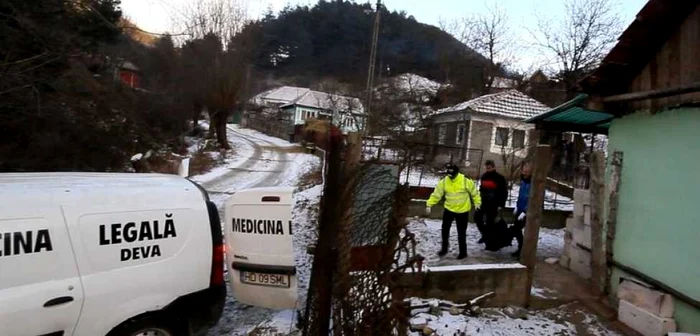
<point>510,104</point>
<point>571,116</point>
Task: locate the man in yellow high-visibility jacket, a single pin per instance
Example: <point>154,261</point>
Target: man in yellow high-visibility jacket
<point>459,192</point>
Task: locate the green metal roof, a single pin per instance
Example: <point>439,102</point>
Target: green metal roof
<point>571,116</point>
<point>579,115</point>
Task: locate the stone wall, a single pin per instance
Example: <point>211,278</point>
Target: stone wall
<point>577,239</point>
<point>465,282</point>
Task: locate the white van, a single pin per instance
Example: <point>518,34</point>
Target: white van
<point>258,230</point>
<point>108,254</point>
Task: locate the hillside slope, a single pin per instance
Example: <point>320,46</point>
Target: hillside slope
<point>333,39</point>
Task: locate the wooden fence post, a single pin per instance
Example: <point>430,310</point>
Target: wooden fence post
<point>611,225</point>
<point>318,310</point>
<point>540,170</point>
<point>598,271</point>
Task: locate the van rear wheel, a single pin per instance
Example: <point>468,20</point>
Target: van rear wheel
<point>146,326</point>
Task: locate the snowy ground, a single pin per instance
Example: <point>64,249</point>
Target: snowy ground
<point>428,238</point>
<point>240,320</point>
<point>258,160</point>
<point>564,320</point>
<point>552,200</point>
<point>263,161</point>
<point>266,138</point>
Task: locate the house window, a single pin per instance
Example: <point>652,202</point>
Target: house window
<point>518,139</point>
<point>461,129</point>
<point>442,134</point>
<point>501,136</point>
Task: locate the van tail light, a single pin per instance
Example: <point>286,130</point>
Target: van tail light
<point>217,265</point>
<point>218,247</point>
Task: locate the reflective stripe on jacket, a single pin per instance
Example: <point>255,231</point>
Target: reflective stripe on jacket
<point>457,194</point>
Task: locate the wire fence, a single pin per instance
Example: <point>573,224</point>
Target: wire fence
<point>363,243</point>
<point>417,160</point>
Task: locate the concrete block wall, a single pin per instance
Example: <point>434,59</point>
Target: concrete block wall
<point>577,238</point>
<point>646,310</point>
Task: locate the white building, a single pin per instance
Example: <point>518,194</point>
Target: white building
<point>300,104</point>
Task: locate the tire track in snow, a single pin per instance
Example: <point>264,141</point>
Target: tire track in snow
<point>237,316</point>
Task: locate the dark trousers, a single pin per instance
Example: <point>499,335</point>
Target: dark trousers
<point>485,219</point>
<point>462,220</point>
<point>517,230</point>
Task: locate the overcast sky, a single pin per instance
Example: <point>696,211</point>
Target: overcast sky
<point>157,15</point>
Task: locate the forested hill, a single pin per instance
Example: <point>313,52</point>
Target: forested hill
<point>333,39</point>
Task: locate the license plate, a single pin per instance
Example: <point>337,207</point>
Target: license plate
<point>265,279</point>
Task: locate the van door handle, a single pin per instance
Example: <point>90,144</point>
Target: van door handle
<point>57,301</point>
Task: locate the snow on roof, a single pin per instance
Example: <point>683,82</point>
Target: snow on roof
<point>327,101</point>
<point>413,82</point>
<point>291,95</point>
<point>126,65</point>
<point>511,104</point>
<point>283,94</point>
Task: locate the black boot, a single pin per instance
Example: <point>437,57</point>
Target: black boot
<point>462,255</point>
<point>442,253</point>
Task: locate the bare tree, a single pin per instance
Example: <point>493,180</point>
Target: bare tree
<point>490,35</point>
<point>218,70</point>
<point>223,18</point>
<point>579,41</point>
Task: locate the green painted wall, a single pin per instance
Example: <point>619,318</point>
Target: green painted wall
<point>658,224</point>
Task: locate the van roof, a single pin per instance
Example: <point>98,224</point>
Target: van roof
<point>54,187</point>
<point>87,180</point>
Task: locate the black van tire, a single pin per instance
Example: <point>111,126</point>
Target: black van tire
<point>140,324</point>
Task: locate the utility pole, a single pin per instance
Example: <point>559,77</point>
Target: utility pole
<point>372,60</point>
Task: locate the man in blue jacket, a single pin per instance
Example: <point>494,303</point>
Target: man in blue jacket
<point>520,211</point>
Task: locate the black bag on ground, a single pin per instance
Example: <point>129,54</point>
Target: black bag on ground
<point>499,236</point>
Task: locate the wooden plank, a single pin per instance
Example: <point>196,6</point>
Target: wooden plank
<point>662,73</point>
<point>665,92</point>
<point>613,203</point>
<point>540,169</point>
<point>689,51</point>
<point>653,79</point>
<point>640,84</point>
<point>673,66</point>
<point>598,271</point>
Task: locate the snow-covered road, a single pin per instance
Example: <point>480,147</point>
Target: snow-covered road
<point>262,161</point>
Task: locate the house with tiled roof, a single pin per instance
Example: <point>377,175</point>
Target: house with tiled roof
<point>489,127</point>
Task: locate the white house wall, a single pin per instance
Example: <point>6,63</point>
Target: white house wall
<point>510,124</point>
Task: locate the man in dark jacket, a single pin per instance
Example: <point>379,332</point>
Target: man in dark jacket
<point>519,213</point>
<point>494,193</point>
